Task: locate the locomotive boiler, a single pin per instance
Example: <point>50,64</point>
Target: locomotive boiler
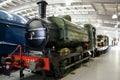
<point>56,34</point>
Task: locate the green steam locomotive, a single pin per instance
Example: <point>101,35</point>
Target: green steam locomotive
<point>65,44</point>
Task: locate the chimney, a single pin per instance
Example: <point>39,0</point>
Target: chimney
<point>42,8</point>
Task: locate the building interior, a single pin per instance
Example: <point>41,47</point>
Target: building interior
<point>104,15</point>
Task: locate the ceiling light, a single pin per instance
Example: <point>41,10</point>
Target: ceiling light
<point>68,2</point>
<point>98,25</point>
<point>118,13</point>
<point>116,26</point>
<point>114,16</point>
<point>118,23</point>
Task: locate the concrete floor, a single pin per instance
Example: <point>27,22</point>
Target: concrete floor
<point>105,67</point>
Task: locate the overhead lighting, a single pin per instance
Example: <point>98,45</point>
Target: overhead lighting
<point>98,25</point>
<point>114,16</point>
<point>118,13</point>
<point>5,2</point>
<point>68,2</point>
<point>116,26</point>
<point>118,23</point>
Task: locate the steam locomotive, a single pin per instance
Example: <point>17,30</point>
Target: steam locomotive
<point>12,30</point>
<point>55,44</point>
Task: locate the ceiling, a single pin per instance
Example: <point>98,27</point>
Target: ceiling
<point>97,12</point>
